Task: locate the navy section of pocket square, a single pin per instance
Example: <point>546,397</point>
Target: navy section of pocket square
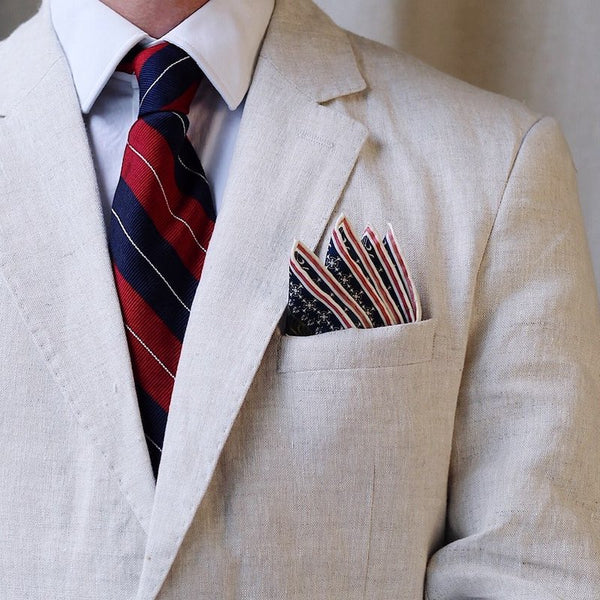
<point>306,314</point>
<point>317,301</point>
<point>363,283</point>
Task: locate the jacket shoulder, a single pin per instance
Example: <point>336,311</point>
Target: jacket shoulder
<point>26,55</point>
<point>408,86</point>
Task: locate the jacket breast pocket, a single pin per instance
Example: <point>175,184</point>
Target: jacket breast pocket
<point>381,347</point>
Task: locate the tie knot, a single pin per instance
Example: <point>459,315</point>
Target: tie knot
<point>168,77</point>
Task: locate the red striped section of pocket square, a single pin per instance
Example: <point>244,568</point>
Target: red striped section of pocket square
<point>362,283</point>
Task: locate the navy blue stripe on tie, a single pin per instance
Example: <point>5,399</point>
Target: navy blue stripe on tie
<point>153,267</point>
<point>189,175</point>
<point>154,421</point>
<point>157,89</point>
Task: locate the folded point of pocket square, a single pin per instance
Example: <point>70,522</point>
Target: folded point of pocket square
<point>362,283</point>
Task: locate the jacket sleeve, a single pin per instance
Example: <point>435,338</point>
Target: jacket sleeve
<point>524,487</point>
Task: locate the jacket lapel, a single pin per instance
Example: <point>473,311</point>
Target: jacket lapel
<point>53,255</point>
<point>293,158</point>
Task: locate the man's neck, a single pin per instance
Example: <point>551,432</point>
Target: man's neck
<point>155,17</point>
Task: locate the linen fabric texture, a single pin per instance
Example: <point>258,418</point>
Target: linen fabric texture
<point>450,458</point>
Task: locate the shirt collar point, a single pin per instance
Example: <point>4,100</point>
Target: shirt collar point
<point>232,100</point>
<point>86,106</point>
<point>87,100</point>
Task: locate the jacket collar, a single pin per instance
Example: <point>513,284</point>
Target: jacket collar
<point>311,52</point>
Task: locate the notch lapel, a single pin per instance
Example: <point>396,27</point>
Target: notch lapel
<point>54,258</point>
<point>291,164</point>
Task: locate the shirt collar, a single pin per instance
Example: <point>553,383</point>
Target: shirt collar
<point>223,37</point>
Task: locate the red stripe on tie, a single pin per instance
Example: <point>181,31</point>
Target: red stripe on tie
<point>149,373</point>
<point>154,147</point>
<point>179,219</point>
<point>140,316</point>
<point>147,369</point>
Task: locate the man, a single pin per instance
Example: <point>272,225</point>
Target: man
<point>450,457</point>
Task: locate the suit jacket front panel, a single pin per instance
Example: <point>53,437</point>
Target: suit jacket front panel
<point>65,529</point>
<point>333,479</point>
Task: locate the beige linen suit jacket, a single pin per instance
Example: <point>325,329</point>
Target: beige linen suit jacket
<point>453,458</point>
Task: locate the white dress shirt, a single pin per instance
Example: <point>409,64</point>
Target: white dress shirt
<point>223,37</point>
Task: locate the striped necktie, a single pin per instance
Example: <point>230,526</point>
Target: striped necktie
<point>161,224</point>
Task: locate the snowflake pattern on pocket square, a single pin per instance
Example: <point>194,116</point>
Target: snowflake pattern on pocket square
<point>362,283</point>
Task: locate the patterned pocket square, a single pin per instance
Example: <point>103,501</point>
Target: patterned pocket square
<point>362,283</point>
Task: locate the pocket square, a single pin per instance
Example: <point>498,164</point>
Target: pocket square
<point>362,283</point>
